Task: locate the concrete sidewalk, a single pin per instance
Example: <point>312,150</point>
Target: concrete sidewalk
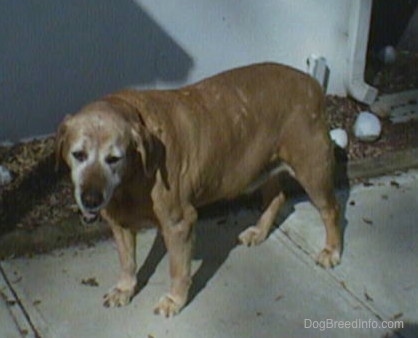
<point>273,290</point>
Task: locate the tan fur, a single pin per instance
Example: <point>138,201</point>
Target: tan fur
<point>189,147</point>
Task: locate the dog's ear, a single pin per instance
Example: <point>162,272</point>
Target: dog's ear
<point>147,146</point>
<point>60,138</point>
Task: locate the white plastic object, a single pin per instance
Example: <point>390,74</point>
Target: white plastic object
<point>367,127</point>
<point>5,176</point>
<point>340,137</point>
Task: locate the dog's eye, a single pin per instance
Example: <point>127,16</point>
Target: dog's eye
<point>111,159</point>
<point>80,156</point>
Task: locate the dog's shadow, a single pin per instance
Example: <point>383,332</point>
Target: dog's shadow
<point>217,234</point>
<point>220,224</point>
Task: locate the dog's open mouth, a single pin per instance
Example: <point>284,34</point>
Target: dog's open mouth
<point>89,217</point>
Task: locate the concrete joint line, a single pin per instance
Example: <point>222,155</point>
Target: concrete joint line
<point>306,257</point>
<point>19,313</point>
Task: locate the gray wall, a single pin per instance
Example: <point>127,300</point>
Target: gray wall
<point>56,55</point>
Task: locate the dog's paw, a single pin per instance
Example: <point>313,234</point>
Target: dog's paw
<point>252,236</point>
<point>328,258</point>
<point>168,306</point>
<point>117,297</point>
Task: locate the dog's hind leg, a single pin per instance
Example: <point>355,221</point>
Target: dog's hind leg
<point>324,200</point>
<point>330,255</point>
<point>315,174</point>
<point>273,199</point>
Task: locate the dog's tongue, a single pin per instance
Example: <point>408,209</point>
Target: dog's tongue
<point>89,217</point>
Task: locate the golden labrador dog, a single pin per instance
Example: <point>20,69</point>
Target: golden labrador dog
<point>155,156</point>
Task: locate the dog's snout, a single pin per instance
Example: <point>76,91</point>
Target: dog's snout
<point>92,199</point>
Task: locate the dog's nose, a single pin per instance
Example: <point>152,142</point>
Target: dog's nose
<point>92,199</point>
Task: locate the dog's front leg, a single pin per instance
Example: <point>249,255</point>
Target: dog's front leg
<point>121,294</point>
<point>179,238</point>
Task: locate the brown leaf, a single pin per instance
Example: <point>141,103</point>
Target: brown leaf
<point>37,302</point>
<point>367,221</point>
<point>92,281</point>
<point>397,315</point>
<point>367,296</point>
<point>395,184</point>
<point>343,284</point>
<point>279,297</point>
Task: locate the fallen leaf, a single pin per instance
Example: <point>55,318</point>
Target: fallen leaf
<point>395,184</point>
<point>367,221</point>
<point>343,284</point>
<point>397,315</point>
<point>367,296</point>
<point>92,281</point>
<point>279,297</point>
<point>17,280</point>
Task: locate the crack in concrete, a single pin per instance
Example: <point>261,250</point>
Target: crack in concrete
<point>19,303</point>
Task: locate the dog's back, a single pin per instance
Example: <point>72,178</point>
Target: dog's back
<point>256,112</point>
<point>226,129</point>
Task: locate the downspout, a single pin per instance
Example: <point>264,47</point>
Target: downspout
<point>358,32</point>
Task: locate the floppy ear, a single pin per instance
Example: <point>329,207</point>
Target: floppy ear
<point>147,145</point>
<point>59,141</point>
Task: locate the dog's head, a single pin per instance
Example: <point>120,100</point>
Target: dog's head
<point>98,144</point>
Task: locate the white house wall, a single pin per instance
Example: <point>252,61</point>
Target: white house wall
<point>221,34</point>
<point>57,55</point>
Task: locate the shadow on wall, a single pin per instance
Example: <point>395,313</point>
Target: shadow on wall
<point>57,55</point>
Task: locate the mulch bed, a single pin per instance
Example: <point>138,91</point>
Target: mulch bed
<point>39,195</point>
